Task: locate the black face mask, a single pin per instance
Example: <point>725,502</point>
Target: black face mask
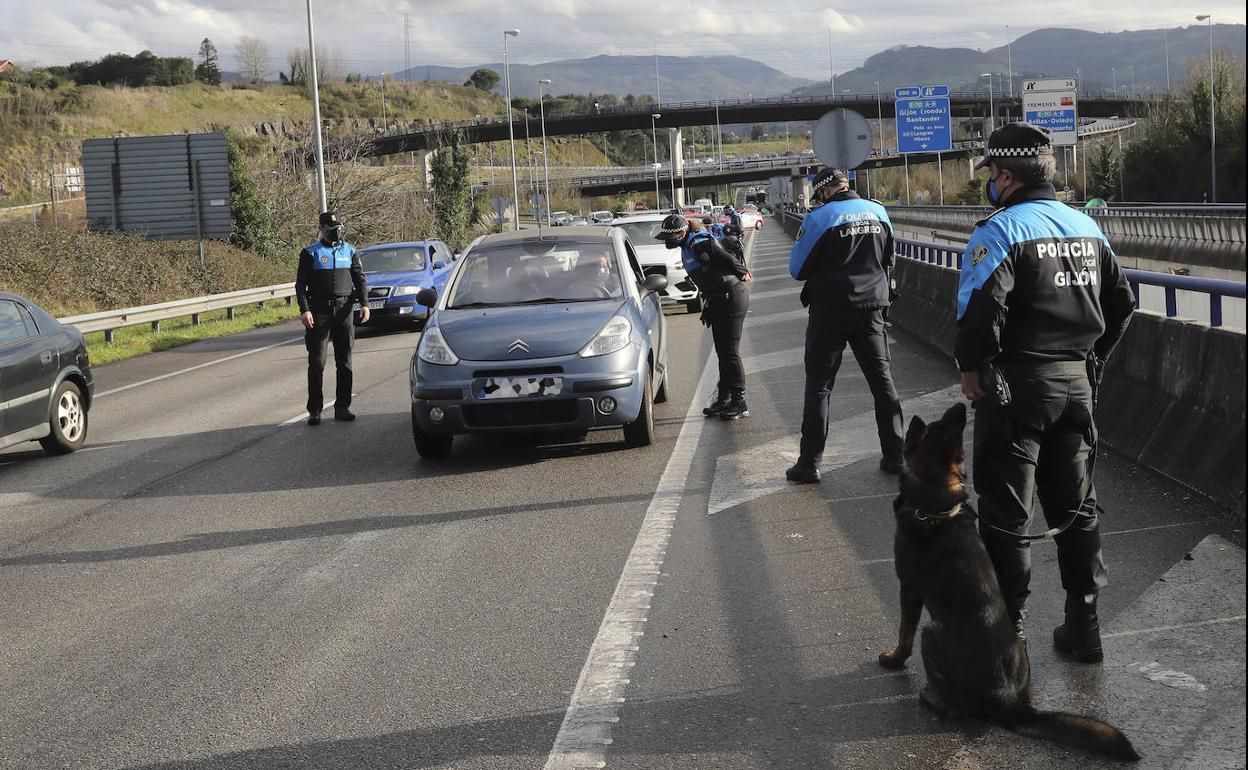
<point>332,234</point>
<point>674,241</point>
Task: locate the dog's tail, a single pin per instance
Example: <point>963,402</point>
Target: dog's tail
<point>1072,730</point>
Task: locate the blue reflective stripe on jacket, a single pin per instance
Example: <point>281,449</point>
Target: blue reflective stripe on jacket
<point>830,215</point>
<point>336,257</point>
<point>687,257</point>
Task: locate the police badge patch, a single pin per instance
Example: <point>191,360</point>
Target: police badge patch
<point>978,255</point>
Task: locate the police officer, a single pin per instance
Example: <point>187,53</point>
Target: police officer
<point>1041,304</point>
<point>844,252</point>
<point>329,284</point>
<point>734,220</point>
<point>720,276</point>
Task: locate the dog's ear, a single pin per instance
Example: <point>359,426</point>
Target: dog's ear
<point>955,417</point>
<point>915,434</point>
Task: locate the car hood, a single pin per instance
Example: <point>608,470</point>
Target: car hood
<point>656,254</point>
<point>489,334</point>
<point>395,278</point>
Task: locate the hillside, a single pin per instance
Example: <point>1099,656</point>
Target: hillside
<point>1045,52</point>
<point>680,78</point>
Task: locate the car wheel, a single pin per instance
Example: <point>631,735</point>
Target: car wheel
<point>68,421</point>
<point>431,446</point>
<point>694,305</point>
<point>640,432</point>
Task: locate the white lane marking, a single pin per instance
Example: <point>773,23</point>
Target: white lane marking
<point>1180,626</point>
<point>304,416</point>
<point>766,278</point>
<point>196,367</point>
<point>756,472</point>
<point>595,703</point>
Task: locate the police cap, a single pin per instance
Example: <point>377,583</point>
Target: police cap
<point>672,224</point>
<point>330,219</point>
<point>829,176</point>
<point>1017,140</point>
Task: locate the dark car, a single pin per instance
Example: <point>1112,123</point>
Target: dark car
<point>45,378</point>
<point>396,273</point>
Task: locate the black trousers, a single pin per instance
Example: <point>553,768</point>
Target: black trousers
<point>332,320</point>
<point>1040,443</point>
<point>726,314</point>
<point>828,330</point>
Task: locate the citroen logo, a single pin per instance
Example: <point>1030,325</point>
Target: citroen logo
<point>518,345</point>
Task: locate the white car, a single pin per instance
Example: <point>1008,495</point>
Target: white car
<point>656,259</point>
<point>750,219</point>
<point>600,217</point>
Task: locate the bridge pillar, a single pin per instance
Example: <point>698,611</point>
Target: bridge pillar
<point>678,159</point>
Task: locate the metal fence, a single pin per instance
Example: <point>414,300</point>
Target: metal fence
<point>109,321</point>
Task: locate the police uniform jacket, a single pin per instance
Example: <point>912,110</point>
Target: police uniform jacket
<point>1039,283</point>
<point>328,271</point>
<point>843,252</point>
<point>712,268</point>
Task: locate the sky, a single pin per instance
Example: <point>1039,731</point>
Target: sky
<point>794,36</point>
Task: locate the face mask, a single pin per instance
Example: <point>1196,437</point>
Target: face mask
<point>673,241</point>
<point>604,272</point>
<point>990,188</point>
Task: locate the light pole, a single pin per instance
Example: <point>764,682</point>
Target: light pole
<point>671,160</point>
<point>541,100</point>
<point>1009,53</point>
<point>1213,124</point>
<point>1078,80</point>
<point>1131,67</point>
<point>384,120</point>
<point>511,129</point>
<point>831,66</point>
<point>1114,70</point>
<point>654,138</point>
<point>879,114</point>
<point>991,115</point>
<point>316,113</point>
<point>658,87</point>
<point>1165,37</point>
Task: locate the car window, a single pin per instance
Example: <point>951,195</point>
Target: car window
<point>32,328</point>
<point>380,260</point>
<point>12,327</point>
<point>641,232</point>
<point>443,254</point>
<point>638,273</point>
<point>535,271</point>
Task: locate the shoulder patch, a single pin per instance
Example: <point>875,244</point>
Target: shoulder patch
<point>990,216</point>
<point>978,255</point>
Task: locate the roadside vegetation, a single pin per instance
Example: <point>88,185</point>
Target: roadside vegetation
<point>137,340</point>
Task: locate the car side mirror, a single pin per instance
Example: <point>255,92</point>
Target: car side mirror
<point>427,297</point>
<point>439,265</point>
<point>654,283</point>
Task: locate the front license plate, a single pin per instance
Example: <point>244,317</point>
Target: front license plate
<point>376,304</point>
<point>518,387</point>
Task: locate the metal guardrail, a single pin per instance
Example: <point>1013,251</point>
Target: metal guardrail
<point>109,321</point>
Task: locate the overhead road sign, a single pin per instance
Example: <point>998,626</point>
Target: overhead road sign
<point>1054,105</point>
<point>842,139</point>
<point>923,122</point>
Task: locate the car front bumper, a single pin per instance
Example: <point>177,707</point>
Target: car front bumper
<point>397,310</point>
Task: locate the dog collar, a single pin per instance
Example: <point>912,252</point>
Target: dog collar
<point>920,515</point>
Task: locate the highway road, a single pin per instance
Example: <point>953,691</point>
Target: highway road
<point>212,584</point>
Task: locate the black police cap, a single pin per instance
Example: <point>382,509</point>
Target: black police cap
<point>330,219</point>
<point>1017,140</point>
<point>672,224</point>
<point>827,176</point>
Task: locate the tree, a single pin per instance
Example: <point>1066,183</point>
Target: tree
<point>484,79</point>
<point>208,70</point>
<point>251,227</point>
<point>328,65</point>
<point>449,168</point>
<point>253,58</point>
<point>757,133</point>
<point>1103,168</point>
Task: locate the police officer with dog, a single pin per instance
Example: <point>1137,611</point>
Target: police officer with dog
<point>721,277</point>
<point>843,254</point>
<point>1042,302</point>
<point>329,286</point>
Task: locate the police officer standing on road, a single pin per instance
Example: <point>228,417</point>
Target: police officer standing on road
<point>328,285</point>
<point>734,221</point>
<point>720,276</point>
<point>1041,305</point>
<point>844,252</point>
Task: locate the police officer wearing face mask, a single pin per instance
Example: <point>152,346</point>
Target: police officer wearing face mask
<point>329,285</point>
<point>720,276</point>
<point>1042,302</point>
<point>843,253</point>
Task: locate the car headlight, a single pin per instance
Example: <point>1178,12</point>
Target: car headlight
<point>405,291</point>
<point>434,350</point>
<point>614,335</point>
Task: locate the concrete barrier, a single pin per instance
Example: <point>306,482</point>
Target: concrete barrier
<point>1173,394</point>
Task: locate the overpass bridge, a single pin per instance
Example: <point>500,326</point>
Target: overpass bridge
<point>723,112</point>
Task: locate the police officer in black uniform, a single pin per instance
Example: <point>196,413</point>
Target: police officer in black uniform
<point>844,252</point>
<point>329,286</point>
<point>734,220</point>
<point>1041,304</point>
<point>721,277</point>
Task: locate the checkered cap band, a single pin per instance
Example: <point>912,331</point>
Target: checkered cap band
<point>827,180</point>
<point>1017,152</point>
<point>669,231</point>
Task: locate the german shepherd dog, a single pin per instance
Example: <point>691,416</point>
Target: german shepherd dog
<point>976,662</point>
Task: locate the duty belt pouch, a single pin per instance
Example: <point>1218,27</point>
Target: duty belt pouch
<point>996,385</point>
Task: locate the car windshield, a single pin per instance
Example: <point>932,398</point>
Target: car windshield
<point>535,272</point>
<point>641,233</point>
<point>397,259</point>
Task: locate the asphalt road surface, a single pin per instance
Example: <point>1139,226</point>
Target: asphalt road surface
<point>212,584</point>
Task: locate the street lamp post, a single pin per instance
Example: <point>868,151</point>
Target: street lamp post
<point>511,130</point>
<point>671,160</point>
<point>654,138</point>
<point>879,114</point>
<point>831,66</point>
<point>1131,68</point>
<point>1213,123</point>
<point>658,86</point>
<point>541,100</point>
<point>1078,80</point>
<point>1009,53</point>
<point>384,119</point>
<point>1165,37</point>
<point>316,113</point>
<point>1114,70</point>
<point>991,115</point>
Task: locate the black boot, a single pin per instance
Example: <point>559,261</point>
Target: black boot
<point>803,472</point>
<point>718,406</point>
<point>736,408</point>
<point>1017,616</point>
<point>1080,636</point>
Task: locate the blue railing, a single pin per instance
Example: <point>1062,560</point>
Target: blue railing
<point>1216,289</point>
